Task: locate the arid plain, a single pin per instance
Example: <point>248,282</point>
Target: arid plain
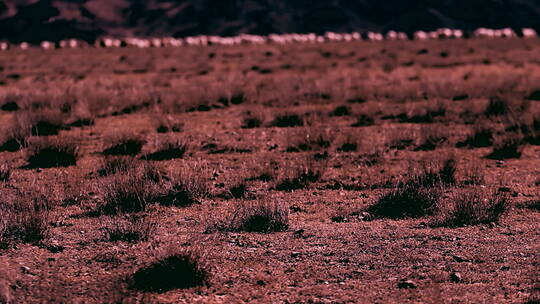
<point>362,172</point>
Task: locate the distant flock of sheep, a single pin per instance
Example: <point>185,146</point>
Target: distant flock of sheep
<point>443,33</point>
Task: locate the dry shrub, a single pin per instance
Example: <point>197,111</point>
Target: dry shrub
<point>24,217</point>
<point>5,173</point>
<point>48,152</point>
<point>507,147</point>
<point>256,216</point>
<point>123,144</point>
<point>173,271</point>
<point>287,120</point>
<point>167,149</point>
<point>419,195</point>
<point>127,228</point>
<point>501,105</point>
<point>472,207</point>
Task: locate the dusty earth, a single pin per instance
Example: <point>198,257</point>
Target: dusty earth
<point>332,250</point>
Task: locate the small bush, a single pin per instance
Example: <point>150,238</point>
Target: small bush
<point>258,216</point>
<point>472,208</point>
<point>181,270</point>
<point>130,229</point>
<point>41,123</point>
<point>123,145</point>
<point>5,173</point>
<point>507,147</point>
<point>287,120</point>
<point>168,149</point>
<point>51,152</point>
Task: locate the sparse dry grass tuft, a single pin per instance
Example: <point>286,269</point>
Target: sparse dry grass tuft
<point>5,173</point>
<point>24,217</point>
<point>123,144</point>
<point>48,152</point>
<point>126,228</point>
<point>255,216</point>
<point>472,207</point>
<point>173,271</point>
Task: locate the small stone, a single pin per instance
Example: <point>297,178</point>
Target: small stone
<point>456,277</point>
<point>407,284</point>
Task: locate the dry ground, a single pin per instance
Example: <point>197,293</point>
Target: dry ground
<point>388,99</point>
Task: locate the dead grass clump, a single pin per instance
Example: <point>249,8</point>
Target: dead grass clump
<point>496,107</point>
<point>398,139</point>
<point>507,147</point>
<point>309,140</point>
<point>42,122</point>
<point>481,136</point>
<point>115,164</point>
<point>341,111</point>
<point>419,195</point>
<point>258,216</point>
<point>472,208</point>
<point>298,176</point>
<point>187,188</point>
<point>14,138</point>
<point>127,192</point>
<point>408,199</point>
<point>474,175</point>
<point>174,271</point>
<point>363,120</point>
<point>10,102</point>
<point>24,218</point>
<point>166,124</point>
<point>5,173</point>
<point>252,120</point>
<point>126,228</point>
<point>431,138</point>
<point>287,120</point>
<point>348,145</point>
<point>125,144</point>
<point>168,149</point>
<point>51,152</point>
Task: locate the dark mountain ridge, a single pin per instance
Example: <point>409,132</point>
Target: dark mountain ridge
<point>38,20</point>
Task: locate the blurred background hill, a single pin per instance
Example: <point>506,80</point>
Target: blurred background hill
<point>38,20</point>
